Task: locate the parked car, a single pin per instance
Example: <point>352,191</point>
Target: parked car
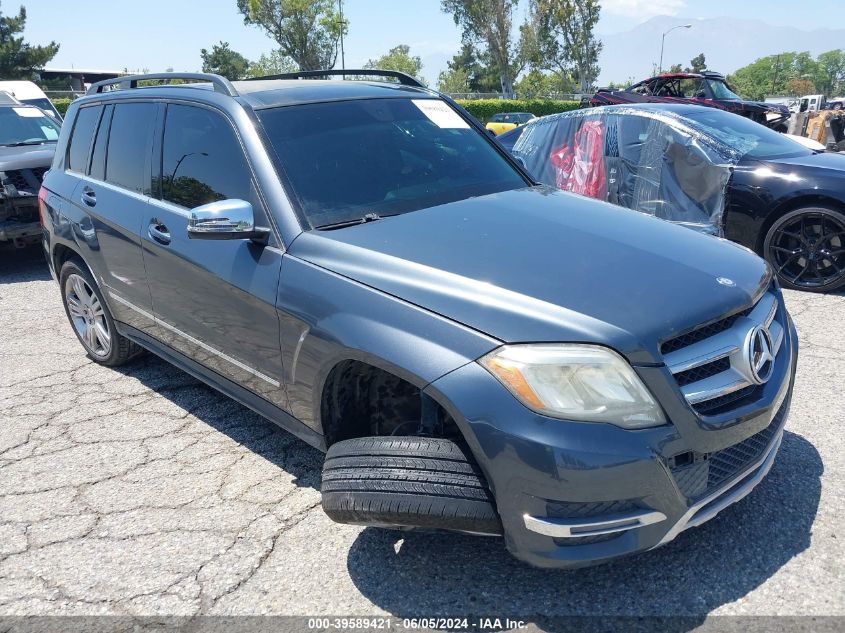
<point>707,169</point>
<point>705,88</point>
<point>504,121</point>
<point>27,143</point>
<point>27,92</point>
<point>360,262</point>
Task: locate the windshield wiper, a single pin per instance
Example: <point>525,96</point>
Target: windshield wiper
<point>23,143</point>
<point>368,217</point>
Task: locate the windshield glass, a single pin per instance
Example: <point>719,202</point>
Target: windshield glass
<point>26,126</point>
<point>42,103</point>
<point>720,90</point>
<point>743,135</point>
<point>350,159</point>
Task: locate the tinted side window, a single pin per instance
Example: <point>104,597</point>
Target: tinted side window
<point>80,141</point>
<point>202,160</point>
<point>129,144</point>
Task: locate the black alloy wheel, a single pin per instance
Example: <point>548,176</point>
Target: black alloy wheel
<point>806,248</point>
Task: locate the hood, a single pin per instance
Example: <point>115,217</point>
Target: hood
<point>27,156</point>
<point>537,264</point>
<point>833,161</point>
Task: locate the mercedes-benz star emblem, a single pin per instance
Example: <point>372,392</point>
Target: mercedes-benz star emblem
<point>758,354</point>
<point>726,282</point>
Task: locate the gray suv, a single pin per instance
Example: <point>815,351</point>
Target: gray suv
<point>362,264</point>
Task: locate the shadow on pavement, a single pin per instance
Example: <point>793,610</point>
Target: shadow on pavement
<point>220,412</point>
<point>416,574</point>
<point>19,265</point>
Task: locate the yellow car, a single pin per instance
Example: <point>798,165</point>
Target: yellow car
<point>505,121</point>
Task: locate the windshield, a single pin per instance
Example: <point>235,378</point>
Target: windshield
<point>373,158</point>
<point>26,126</point>
<point>42,103</point>
<point>720,90</point>
<point>744,135</point>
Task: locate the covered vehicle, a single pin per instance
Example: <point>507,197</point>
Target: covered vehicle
<point>705,88</point>
<point>505,121</point>
<point>27,144</point>
<point>706,169</point>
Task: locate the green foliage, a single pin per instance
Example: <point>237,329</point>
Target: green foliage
<point>483,109</point>
<point>61,104</point>
<point>222,60</point>
<point>19,59</point>
<point>455,80</point>
<point>536,84</point>
<point>398,58</point>
<point>475,68</point>
<point>490,22</point>
<point>562,38</point>
<point>792,74</point>
<point>307,31</point>
<point>272,63</point>
<point>698,63</point>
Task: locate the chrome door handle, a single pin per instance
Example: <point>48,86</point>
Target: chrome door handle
<point>89,197</point>
<point>159,232</point>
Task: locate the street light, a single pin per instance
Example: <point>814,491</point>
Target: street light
<point>663,41</point>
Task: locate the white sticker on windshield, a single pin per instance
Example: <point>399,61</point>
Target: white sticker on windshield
<point>440,113</point>
<point>33,113</point>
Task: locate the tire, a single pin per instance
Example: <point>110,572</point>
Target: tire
<point>105,346</point>
<point>806,248</point>
<point>407,482</point>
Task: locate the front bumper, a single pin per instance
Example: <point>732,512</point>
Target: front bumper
<point>572,494</point>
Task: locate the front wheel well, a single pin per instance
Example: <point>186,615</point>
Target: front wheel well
<point>361,400</point>
<point>61,254</point>
<point>792,205</point>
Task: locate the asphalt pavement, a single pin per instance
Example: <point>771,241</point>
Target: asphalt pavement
<point>140,491</point>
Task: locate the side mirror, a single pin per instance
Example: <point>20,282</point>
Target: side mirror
<point>225,220</point>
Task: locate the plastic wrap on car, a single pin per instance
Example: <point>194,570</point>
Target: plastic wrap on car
<point>651,162</point>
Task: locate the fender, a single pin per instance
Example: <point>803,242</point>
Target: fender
<point>320,330</point>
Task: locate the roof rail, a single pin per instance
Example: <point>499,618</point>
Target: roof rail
<point>405,80</point>
<point>128,82</point>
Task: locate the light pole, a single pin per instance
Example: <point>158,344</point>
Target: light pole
<point>342,54</point>
<point>663,41</point>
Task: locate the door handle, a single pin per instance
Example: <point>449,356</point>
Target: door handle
<point>89,197</point>
<point>159,232</point>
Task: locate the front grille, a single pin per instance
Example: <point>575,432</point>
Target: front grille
<point>729,401</point>
<point>25,181</point>
<point>701,333</point>
<point>705,472</point>
<point>703,371</point>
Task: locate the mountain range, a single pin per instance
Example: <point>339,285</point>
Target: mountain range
<point>727,44</point>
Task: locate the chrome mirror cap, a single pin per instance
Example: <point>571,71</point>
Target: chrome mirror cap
<point>224,220</point>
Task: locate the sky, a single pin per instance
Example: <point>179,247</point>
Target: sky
<point>161,34</point>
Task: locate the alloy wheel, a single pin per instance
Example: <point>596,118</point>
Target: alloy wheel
<point>808,250</point>
<point>87,315</point>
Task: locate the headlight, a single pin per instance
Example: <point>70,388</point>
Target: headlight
<point>575,382</point>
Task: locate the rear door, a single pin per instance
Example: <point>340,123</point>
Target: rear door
<point>109,202</point>
<point>214,300</point>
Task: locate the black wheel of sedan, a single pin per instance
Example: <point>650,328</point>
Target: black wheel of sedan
<point>90,317</point>
<point>806,247</point>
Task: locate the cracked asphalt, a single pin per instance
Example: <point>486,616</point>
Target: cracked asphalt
<point>140,491</point>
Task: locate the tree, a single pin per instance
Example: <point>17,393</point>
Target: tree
<point>476,67</point>
<point>536,83</point>
<point>490,22</point>
<point>398,58</point>
<point>307,31</point>
<point>697,64</point>
<point>800,87</point>
<point>780,74</point>
<point>831,67</point>
<point>451,81</point>
<point>18,59</point>
<point>272,63</point>
<point>222,60</point>
<point>675,69</point>
<point>564,39</point>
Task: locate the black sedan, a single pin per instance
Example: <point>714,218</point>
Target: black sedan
<point>708,169</point>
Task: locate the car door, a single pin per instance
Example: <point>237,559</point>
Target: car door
<point>214,300</point>
<point>110,201</point>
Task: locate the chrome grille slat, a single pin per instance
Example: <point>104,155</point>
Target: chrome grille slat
<point>697,359</point>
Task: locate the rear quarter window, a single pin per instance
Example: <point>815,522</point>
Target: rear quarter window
<point>80,140</point>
